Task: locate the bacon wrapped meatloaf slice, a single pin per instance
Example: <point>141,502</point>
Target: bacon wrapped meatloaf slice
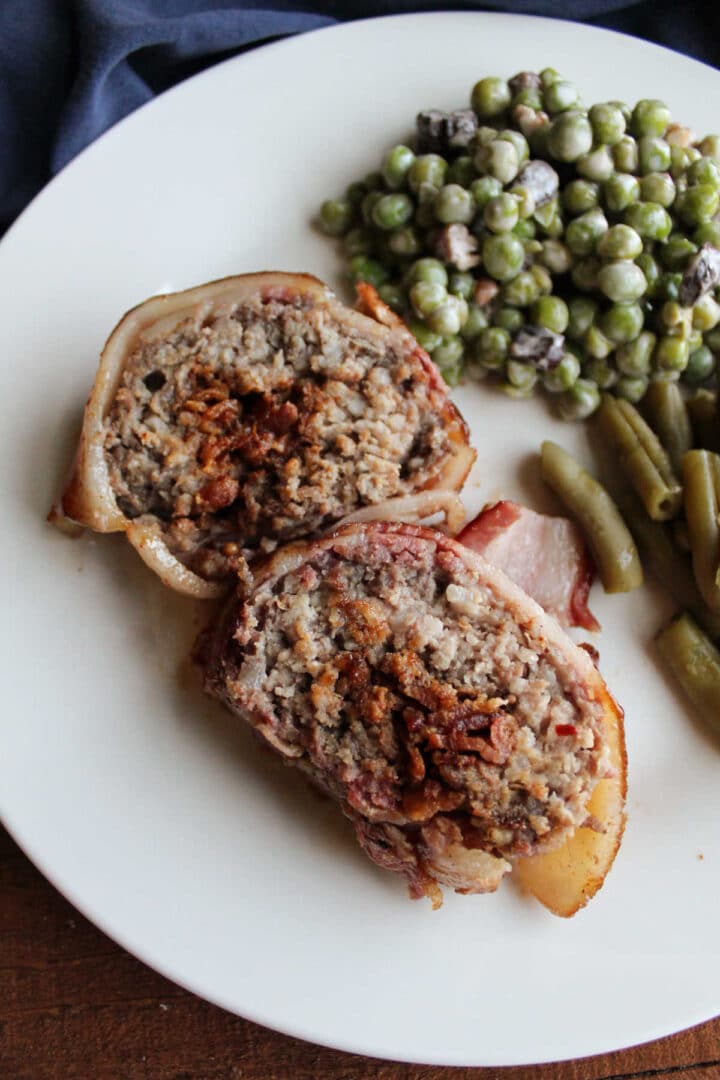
<point>250,411</point>
<point>459,728</point>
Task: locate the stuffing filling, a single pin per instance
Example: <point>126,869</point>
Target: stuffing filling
<point>264,424</point>
<point>416,696</point>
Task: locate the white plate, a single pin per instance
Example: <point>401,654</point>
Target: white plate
<point>136,796</point>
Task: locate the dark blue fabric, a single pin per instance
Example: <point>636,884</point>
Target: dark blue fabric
<point>69,69</point>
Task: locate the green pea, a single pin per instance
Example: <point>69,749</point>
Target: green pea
<point>624,108</point>
<point>476,322</point>
<point>426,296</point>
<point>461,171</point>
<point>363,268</point>
<point>619,242</point>
<point>651,270</point>
<point>526,230</point>
<point>712,340</point>
<point>650,117</point>
<point>580,401</point>
<point>700,366</point>
<point>599,371</point>
<point>490,97</point>
<point>525,201</point>
<point>405,241</point>
<point>622,323</point>
<point>563,375</point>
<point>671,354</point>
<point>620,191</point>
<point>501,213</point>
<point>545,213</point>
<point>708,233</point>
<point>498,158</point>
<point>503,256</point>
<point>675,253</point>
<point>608,123</point>
<point>569,137</point>
<point>484,189</point>
<point>583,233</point>
<point>393,296</point>
<point>367,207</point>
<point>631,387</point>
<point>669,286</point>
<point>519,142</point>
<point>675,319</point>
<point>358,241</point>
<point>635,357</point>
<point>454,205</point>
<point>533,247</point>
<point>625,155</point>
<point>521,291</point>
<point>427,169</point>
<point>653,154</point>
<point>426,195</point>
<point>509,318</point>
<point>559,96</point>
<point>596,344</point>
<point>373,181</point>
<point>428,269</point>
<point>658,187</point>
<point>448,356</point>
<point>556,256</point>
<point>649,219</point>
<point>491,348</point>
<point>704,171</point>
<point>705,313</point>
<point>542,278</point>
<point>579,196</point>
<point>582,312</point>
<point>598,165</point>
<point>523,376</point>
<point>548,76</point>
<point>395,166</point>
<point>392,211</point>
<point>621,281</point>
<point>448,317</point>
<point>461,284</point>
<point>698,204</point>
<point>550,312</point>
<point>681,158</point>
<point>694,340</point>
<point>529,97</point>
<point>485,134</point>
<point>355,193</point>
<point>584,273</point>
<point>710,147</point>
<point>336,216</point>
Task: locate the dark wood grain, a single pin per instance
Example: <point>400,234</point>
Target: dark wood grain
<point>75,1006</point>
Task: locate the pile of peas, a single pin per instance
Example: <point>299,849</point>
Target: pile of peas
<point>600,264</point>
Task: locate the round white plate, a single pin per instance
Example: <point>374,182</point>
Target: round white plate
<point>139,798</point>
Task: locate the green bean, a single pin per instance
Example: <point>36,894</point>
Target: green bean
<point>701,479</point>
<point>660,557</point>
<point>695,663</point>
<point>667,416</point>
<point>702,410</point>
<point>590,504</point>
<point>642,457</point>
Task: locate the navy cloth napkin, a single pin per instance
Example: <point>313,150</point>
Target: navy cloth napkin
<point>69,69</point>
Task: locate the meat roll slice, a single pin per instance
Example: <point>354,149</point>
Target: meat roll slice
<point>458,727</point>
<point>250,411</point>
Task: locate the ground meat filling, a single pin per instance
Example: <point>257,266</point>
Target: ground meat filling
<point>418,700</point>
<point>274,420</point>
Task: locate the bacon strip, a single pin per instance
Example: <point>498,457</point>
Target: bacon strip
<point>546,556</point>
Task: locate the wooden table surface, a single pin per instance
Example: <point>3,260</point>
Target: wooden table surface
<point>75,1006</point>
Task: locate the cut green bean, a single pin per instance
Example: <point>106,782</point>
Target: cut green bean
<point>661,559</point>
<point>642,457</point>
<point>668,417</point>
<point>695,662</point>
<point>701,479</point>
<point>607,535</point>
<point>702,410</point>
